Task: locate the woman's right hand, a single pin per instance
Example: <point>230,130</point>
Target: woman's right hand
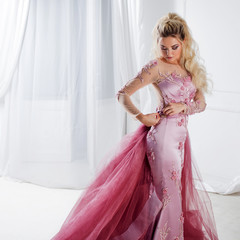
<point>150,119</point>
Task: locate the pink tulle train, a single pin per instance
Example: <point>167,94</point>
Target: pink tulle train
<point>117,204</point>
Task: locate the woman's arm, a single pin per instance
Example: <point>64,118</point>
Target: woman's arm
<point>196,106</point>
<point>148,74</point>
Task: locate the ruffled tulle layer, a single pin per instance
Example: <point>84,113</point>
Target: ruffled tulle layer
<point>120,203</point>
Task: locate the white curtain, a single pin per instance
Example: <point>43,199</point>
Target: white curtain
<point>59,115</point>
<point>61,103</point>
<point>13,19</point>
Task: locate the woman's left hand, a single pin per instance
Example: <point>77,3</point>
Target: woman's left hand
<point>173,108</point>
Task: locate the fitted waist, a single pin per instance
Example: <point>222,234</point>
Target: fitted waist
<point>173,116</point>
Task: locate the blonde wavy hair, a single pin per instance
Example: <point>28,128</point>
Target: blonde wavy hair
<point>174,25</point>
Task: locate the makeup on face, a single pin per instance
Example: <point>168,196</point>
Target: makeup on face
<point>170,48</point>
<point>170,52</point>
<point>174,47</point>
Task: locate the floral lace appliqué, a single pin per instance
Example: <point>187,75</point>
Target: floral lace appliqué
<point>174,77</point>
<point>169,99</point>
<point>146,67</point>
<point>180,148</point>
<point>151,155</point>
<point>151,134</point>
<point>182,120</point>
<point>175,176</point>
<point>180,145</point>
<point>164,232</point>
<point>166,197</point>
<point>181,220</point>
<point>185,79</point>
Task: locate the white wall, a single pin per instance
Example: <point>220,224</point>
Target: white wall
<point>215,133</point>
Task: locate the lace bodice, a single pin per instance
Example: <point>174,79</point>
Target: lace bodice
<point>170,85</point>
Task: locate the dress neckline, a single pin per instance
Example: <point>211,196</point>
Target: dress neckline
<point>179,75</point>
<point>175,74</point>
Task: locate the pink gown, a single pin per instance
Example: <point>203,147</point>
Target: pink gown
<point>146,191</point>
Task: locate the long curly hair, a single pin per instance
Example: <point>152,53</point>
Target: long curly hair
<point>174,25</point>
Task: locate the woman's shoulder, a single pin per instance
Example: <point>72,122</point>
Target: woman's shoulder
<point>155,62</point>
<point>151,63</point>
<point>157,66</point>
<point>150,66</point>
<point>149,70</point>
<point>161,66</point>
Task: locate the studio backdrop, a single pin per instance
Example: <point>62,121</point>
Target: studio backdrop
<point>62,63</point>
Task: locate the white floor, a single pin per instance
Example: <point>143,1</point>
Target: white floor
<point>31,212</point>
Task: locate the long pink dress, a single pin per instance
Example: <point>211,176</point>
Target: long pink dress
<point>146,190</point>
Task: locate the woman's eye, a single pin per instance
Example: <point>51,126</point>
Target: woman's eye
<point>173,48</point>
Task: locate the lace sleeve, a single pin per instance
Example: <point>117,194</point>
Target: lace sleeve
<point>148,75</point>
<point>197,105</point>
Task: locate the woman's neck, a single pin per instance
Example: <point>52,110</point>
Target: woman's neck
<point>174,63</point>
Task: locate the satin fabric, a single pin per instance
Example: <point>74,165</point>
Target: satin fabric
<point>122,201</point>
<point>145,190</point>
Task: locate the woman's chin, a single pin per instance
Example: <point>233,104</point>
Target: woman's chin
<point>171,60</point>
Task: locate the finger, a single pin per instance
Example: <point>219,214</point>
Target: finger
<point>172,113</point>
<point>169,112</point>
<point>166,109</point>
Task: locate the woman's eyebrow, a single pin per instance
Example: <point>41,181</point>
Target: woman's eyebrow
<point>171,46</point>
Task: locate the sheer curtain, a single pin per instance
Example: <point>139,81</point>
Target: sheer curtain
<point>62,63</point>
<point>60,115</point>
<point>13,19</point>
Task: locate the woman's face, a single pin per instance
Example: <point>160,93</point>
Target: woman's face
<point>170,49</point>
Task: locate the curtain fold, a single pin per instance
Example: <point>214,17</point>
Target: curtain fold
<point>61,64</point>
<point>61,102</point>
<point>13,21</point>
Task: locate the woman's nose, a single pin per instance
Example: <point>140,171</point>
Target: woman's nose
<point>169,53</point>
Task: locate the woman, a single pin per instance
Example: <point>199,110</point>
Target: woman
<point>147,191</point>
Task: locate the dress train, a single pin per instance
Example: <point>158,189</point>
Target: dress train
<point>121,203</point>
